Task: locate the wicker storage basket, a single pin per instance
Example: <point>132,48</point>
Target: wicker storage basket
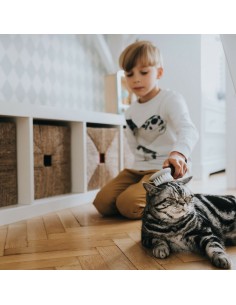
<point>8,170</point>
<point>103,156</point>
<point>52,160</point>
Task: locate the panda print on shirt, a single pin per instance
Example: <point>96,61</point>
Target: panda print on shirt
<point>150,130</point>
<point>155,122</point>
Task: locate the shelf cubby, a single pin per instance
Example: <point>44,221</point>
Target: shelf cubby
<point>29,202</point>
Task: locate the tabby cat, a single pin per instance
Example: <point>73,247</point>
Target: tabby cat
<point>175,219</point>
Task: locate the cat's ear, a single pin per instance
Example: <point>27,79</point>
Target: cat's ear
<point>150,188</point>
<point>185,180</point>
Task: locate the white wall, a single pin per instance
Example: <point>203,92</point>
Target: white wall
<point>229,45</point>
<point>213,105</point>
<point>231,128</point>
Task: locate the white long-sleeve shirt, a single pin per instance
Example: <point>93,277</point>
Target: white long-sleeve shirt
<point>158,127</point>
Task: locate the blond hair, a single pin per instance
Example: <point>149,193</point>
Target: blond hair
<point>143,52</point>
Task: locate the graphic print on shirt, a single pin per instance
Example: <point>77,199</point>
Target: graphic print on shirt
<point>155,122</point>
<point>148,153</point>
<point>131,125</point>
<point>150,130</point>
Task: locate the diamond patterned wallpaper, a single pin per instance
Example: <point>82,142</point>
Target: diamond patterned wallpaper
<point>51,70</point>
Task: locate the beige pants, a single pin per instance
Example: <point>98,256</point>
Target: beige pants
<point>124,194</point>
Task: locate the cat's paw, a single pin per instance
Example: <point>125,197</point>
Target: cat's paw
<point>161,251</point>
<point>221,260</point>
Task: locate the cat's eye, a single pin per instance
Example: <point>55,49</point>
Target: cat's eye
<point>164,205</point>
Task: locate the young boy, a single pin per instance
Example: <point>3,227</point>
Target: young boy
<point>159,130</point>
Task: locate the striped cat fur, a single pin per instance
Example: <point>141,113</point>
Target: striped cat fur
<point>175,219</point>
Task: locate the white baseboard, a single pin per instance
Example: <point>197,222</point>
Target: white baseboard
<point>40,207</point>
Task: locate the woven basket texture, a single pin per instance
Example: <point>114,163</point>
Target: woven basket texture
<point>103,156</point>
<point>52,160</point>
<point>8,164</point>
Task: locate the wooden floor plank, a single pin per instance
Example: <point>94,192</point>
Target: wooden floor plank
<point>137,255</point>
<point>3,235</point>
<point>16,236</point>
<point>46,255</point>
<point>136,235</point>
<point>204,265</point>
<point>68,220</point>
<point>85,235</point>
<point>46,263</point>
<point>115,259</point>
<point>188,257</point>
<point>93,262</point>
<point>53,224</point>
<point>69,267</point>
<point>102,230</point>
<point>58,245</point>
<point>231,250</point>
<point>87,215</point>
<point>36,229</point>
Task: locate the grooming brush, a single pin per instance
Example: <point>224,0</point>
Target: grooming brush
<point>162,176</point>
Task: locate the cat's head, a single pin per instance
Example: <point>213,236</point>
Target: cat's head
<point>169,201</point>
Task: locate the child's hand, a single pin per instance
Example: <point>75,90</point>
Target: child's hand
<point>176,160</point>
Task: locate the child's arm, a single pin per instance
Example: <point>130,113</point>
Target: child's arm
<point>186,135</point>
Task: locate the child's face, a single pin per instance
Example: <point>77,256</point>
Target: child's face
<point>142,80</point>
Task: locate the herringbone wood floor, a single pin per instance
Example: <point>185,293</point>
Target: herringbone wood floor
<point>79,238</point>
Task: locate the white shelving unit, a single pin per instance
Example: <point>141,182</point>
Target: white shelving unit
<point>27,206</point>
